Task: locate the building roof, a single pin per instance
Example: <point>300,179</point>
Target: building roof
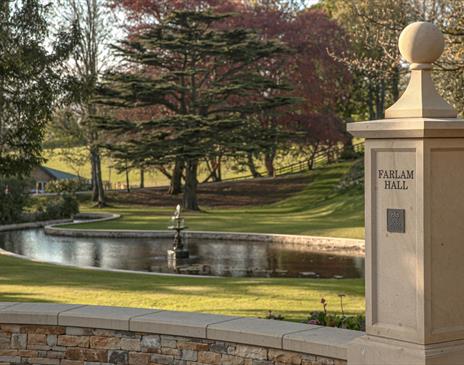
<point>59,175</point>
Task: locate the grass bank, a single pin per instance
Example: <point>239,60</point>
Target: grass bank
<point>319,209</point>
<point>25,281</point>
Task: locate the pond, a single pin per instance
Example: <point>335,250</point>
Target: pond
<point>208,257</point>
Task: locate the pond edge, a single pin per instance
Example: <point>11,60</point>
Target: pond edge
<point>356,246</point>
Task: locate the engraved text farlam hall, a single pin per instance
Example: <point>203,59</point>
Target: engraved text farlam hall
<point>395,179</point>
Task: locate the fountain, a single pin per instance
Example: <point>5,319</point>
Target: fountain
<point>178,250</point>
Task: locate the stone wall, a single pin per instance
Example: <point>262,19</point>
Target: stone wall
<point>355,246</point>
<point>59,345</point>
<point>59,334</point>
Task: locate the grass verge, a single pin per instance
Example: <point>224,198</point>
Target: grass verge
<point>26,281</point>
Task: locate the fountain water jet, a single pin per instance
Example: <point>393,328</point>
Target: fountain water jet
<point>178,250</point>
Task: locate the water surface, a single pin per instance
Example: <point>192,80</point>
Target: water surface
<point>208,257</point>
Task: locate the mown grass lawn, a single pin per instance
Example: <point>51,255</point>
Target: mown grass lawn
<point>26,281</point>
<point>320,210</point>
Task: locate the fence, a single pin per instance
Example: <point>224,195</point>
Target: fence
<point>321,158</point>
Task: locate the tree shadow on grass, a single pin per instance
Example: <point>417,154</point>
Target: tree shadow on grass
<point>32,274</point>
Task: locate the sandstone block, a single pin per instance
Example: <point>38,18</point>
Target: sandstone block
<point>252,352</point>
<point>189,355</point>
<point>162,359</point>
<point>130,344</point>
<point>10,359</point>
<point>73,341</point>
<point>55,354</point>
<point>100,342</point>
<point>168,341</point>
<point>169,351</point>
<point>209,357</point>
<point>52,340</point>
<point>86,354</point>
<point>10,328</point>
<point>232,360</point>
<point>28,353</point>
<point>45,330</point>
<point>221,348</point>
<point>151,342</point>
<point>71,362</point>
<point>8,352</point>
<point>18,341</point>
<point>285,357</point>
<point>78,331</point>
<point>44,361</point>
<point>194,346</point>
<point>118,357</point>
<point>36,339</point>
<point>5,341</point>
<point>137,358</point>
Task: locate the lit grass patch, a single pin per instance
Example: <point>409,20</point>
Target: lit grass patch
<point>25,281</point>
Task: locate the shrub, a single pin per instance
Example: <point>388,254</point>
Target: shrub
<point>67,186</point>
<point>323,318</point>
<point>14,198</point>
<point>59,207</point>
<point>354,178</point>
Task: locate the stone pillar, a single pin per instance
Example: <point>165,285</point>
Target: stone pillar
<point>414,221</point>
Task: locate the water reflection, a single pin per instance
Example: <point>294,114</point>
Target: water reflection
<point>224,258</point>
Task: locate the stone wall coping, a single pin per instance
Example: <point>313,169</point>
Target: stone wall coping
<point>28,225</point>
<point>327,243</point>
<point>90,217</point>
<point>298,337</point>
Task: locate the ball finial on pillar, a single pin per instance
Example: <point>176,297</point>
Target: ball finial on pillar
<point>421,43</point>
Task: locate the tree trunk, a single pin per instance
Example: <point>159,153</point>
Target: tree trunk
<point>330,155</point>
<point>312,156</point>
<point>219,168</point>
<point>269,157</point>
<point>214,168</point>
<point>93,177</point>
<point>176,177</point>
<point>98,189</point>
<point>142,178</point>
<point>252,166</point>
<point>190,189</point>
<point>380,100</point>
<point>395,84</point>
<point>370,102</point>
<point>127,179</point>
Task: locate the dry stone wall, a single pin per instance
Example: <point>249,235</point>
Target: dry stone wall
<point>63,345</point>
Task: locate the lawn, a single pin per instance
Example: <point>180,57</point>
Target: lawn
<point>319,209</point>
<point>26,281</point>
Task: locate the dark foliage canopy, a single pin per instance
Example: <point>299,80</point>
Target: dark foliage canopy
<point>203,80</point>
<point>30,82</point>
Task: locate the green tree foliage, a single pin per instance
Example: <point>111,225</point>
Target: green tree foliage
<point>14,197</point>
<point>204,82</point>
<point>30,82</point>
<point>373,28</point>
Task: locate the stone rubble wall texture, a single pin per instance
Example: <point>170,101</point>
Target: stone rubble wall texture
<point>60,345</point>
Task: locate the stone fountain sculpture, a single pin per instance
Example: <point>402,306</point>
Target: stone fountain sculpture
<point>178,250</point>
